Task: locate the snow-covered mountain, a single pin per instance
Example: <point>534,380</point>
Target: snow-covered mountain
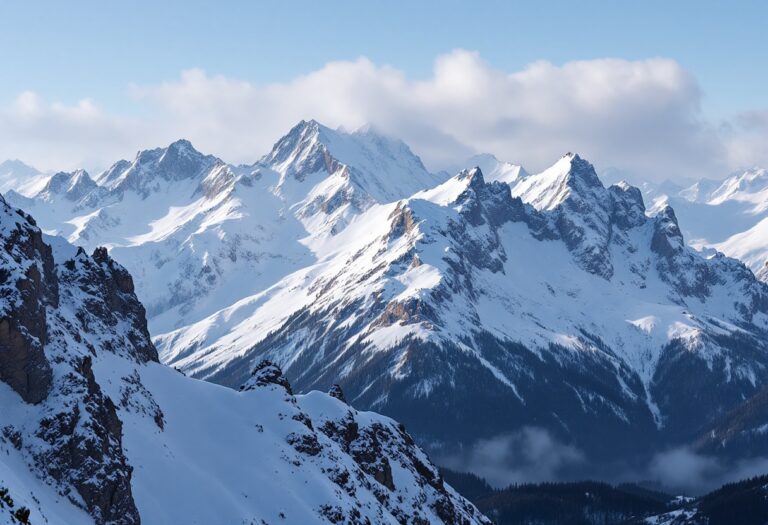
<point>20,177</point>
<point>493,168</point>
<point>94,430</point>
<point>189,227</point>
<point>730,216</point>
<point>467,306</point>
<point>568,308</point>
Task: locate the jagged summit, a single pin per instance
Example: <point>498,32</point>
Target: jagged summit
<point>376,167</point>
<point>550,188</point>
<point>178,161</point>
<point>473,175</point>
<point>73,186</point>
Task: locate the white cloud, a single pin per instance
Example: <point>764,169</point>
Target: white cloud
<point>746,138</point>
<point>642,116</point>
<point>59,136</point>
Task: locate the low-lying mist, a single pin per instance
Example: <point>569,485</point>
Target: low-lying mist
<point>534,455</point>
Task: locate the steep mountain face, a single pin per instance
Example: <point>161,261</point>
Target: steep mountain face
<point>468,308</point>
<point>472,309</point>
<point>730,216</point>
<point>94,430</point>
<point>204,224</point>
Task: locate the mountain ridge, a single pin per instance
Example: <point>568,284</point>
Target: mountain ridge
<point>96,430</point>
<point>569,302</point>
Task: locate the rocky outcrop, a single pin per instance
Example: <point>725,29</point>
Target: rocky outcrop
<point>337,393</point>
<point>57,315</point>
<point>109,299</point>
<point>84,449</point>
<point>28,285</point>
<point>377,445</point>
<point>667,239</point>
<point>267,373</point>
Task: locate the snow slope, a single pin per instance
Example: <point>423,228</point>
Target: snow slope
<point>728,215</point>
<point>203,224</point>
<point>465,306</point>
<point>467,274</point>
<point>95,430</point>
<point>20,177</point>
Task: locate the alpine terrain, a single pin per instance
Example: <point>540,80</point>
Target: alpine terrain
<point>730,216</point>
<point>467,305</point>
<point>95,430</point>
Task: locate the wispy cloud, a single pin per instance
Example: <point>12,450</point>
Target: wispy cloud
<point>642,116</point>
<point>534,455</point>
<point>529,456</point>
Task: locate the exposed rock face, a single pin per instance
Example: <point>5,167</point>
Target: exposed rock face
<point>377,445</point>
<point>111,299</point>
<point>28,284</point>
<point>84,449</point>
<point>337,392</point>
<point>111,420</point>
<point>48,310</point>
<point>667,239</point>
<point>564,307</point>
<point>267,373</point>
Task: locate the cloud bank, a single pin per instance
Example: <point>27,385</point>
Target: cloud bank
<point>641,116</point>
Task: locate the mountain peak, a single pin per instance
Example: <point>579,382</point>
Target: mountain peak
<point>299,150</point>
<point>579,168</point>
<point>381,168</point>
<point>182,146</point>
<point>73,185</point>
<point>474,176</point>
<point>550,188</point>
<point>177,148</point>
<point>17,167</point>
<point>179,160</point>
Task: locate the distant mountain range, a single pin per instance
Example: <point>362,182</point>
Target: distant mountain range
<point>467,305</point>
<point>730,216</point>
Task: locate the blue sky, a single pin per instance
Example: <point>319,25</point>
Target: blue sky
<point>127,61</point>
<point>67,50</point>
